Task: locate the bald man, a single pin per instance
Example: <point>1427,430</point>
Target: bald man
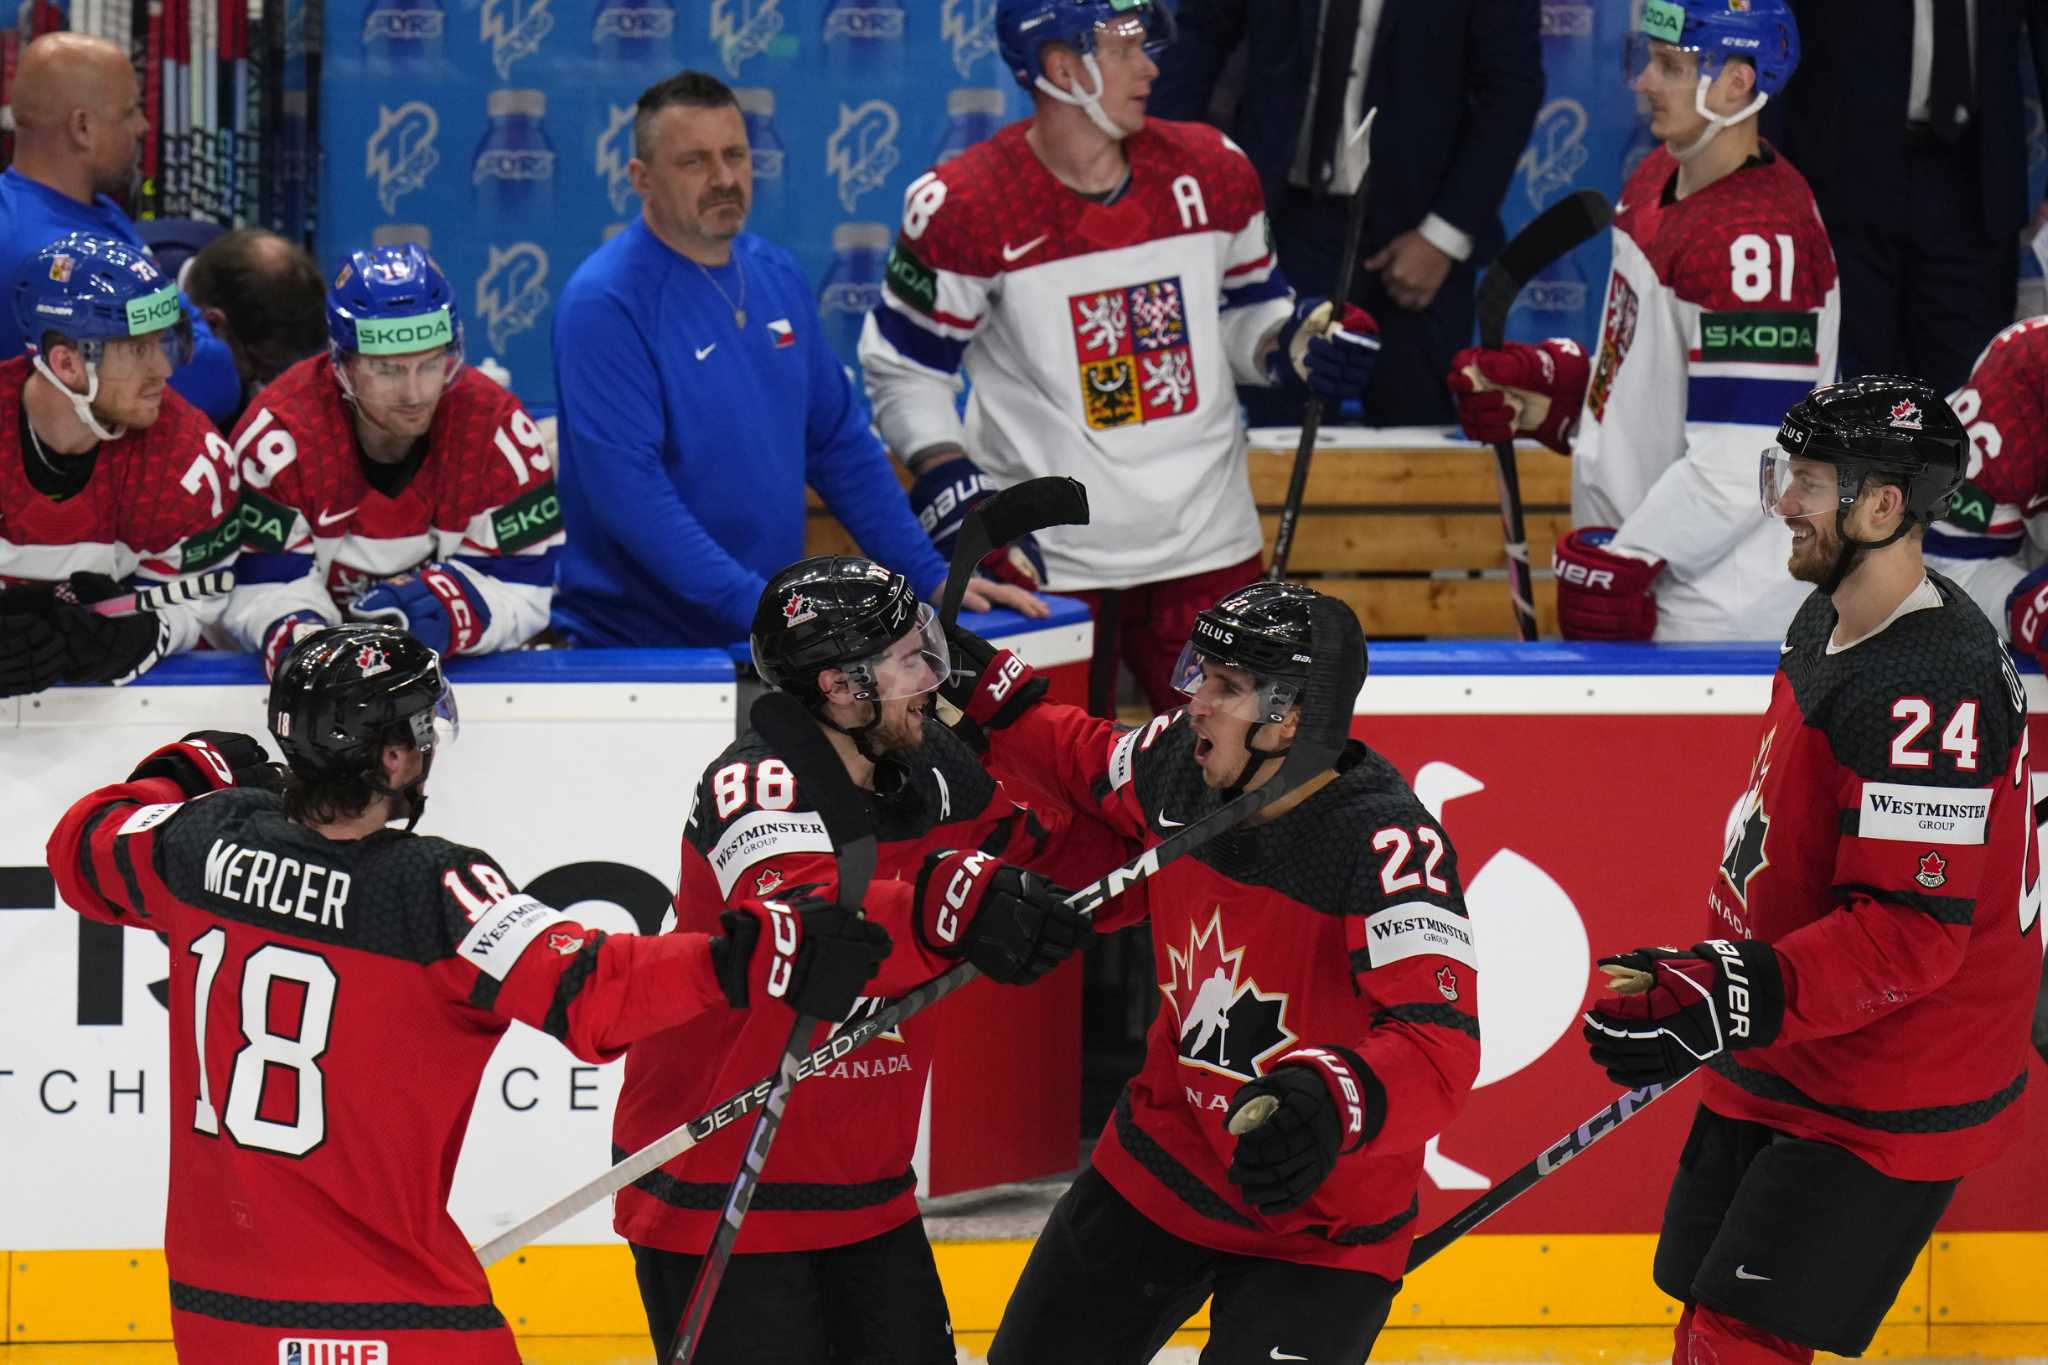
<point>78,131</point>
<point>262,295</point>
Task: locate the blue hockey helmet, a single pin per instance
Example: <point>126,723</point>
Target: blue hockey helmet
<point>1024,27</point>
<point>392,300</point>
<point>92,290</point>
<point>1763,31</point>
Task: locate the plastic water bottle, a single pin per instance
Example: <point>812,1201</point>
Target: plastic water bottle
<point>513,172</point>
<point>635,34</point>
<point>402,35</point>
<point>769,213</point>
<point>399,234</point>
<point>853,284</point>
<point>972,115</point>
<point>864,37</point>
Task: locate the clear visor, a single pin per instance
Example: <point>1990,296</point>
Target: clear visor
<point>1227,690</point>
<point>438,728</point>
<point>914,663</point>
<point>1666,63</point>
<point>1148,23</point>
<point>1794,489</point>
<point>112,354</point>
<point>397,380</point>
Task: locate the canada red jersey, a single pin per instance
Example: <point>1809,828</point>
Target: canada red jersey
<point>1885,849</point>
<point>319,531</point>
<point>841,1168</point>
<point>333,1005</point>
<point>1338,924</point>
<point>2004,406</point>
<point>159,504</point>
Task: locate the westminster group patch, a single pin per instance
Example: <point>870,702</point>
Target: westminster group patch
<point>1136,364</point>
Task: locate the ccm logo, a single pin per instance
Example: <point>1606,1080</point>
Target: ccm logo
<point>1579,576</point>
<point>783,928</point>
<point>957,891</point>
<point>1007,672</point>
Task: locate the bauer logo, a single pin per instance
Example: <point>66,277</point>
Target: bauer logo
<point>862,150</point>
<point>514,29</point>
<point>509,294</point>
<point>401,153</point>
<point>743,29</point>
<point>614,150</point>
<point>970,26</point>
<point>1556,151</point>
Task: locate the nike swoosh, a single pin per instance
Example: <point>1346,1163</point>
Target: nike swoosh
<point>703,351</point>
<point>1167,822</point>
<point>1013,254</point>
<point>1785,649</point>
<point>1620,207</point>
<point>326,519</point>
<point>1277,1354</point>
<point>1742,1274</point>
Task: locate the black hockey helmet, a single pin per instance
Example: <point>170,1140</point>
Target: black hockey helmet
<point>341,694</point>
<point>1262,629</point>
<point>1883,424</point>
<point>844,612</point>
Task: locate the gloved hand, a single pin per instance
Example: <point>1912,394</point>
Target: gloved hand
<point>989,687</point>
<point>286,632</point>
<point>2026,614</point>
<point>1552,380</point>
<point>1602,595</point>
<point>208,760</point>
<point>1677,1009</point>
<point>941,497</point>
<point>819,959</point>
<point>108,649</point>
<point>436,602</point>
<point>32,655</point>
<point>1013,926</point>
<point>1330,1103</point>
<point>1335,362</point>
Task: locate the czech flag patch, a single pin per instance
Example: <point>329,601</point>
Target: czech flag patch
<point>784,334</point>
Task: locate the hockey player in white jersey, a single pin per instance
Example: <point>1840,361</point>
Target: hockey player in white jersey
<point>1721,312</point>
<point>1106,282</point>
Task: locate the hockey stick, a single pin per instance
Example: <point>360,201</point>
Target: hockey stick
<point>1000,518</point>
<point>820,772</point>
<point>1354,157</point>
<point>157,596</point>
<point>1544,239</point>
<point>1327,699</point>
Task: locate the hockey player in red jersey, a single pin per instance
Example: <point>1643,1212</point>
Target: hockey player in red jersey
<point>1721,312</point>
<point>1862,1005</point>
<point>108,479</point>
<point>385,481</point>
<point>337,988</point>
<point>1319,955</point>
<point>832,1262</point>
<point>1106,281</point>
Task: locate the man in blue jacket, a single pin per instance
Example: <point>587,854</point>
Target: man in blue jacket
<point>78,130</point>
<point>698,398</point>
<point>1457,84</point>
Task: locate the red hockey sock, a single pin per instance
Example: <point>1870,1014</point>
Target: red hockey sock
<point>1705,1337</point>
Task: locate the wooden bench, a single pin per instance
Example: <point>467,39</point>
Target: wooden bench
<point>1401,523</point>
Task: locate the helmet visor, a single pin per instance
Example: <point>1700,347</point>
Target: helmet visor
<point>1147,21</point>
<point>1794,489</point>
<point>913,664</point>
<point>439,727</point>
<point>1228,690</point>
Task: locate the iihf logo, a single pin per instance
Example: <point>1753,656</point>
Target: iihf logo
<point>401,154</point>
<point>970,26</point>
<point>514,29</point>
<point>743,29</point>
<point>862,150</point>
<point>614,150</point>
<point>509,294</point>
<point>1556,151</point>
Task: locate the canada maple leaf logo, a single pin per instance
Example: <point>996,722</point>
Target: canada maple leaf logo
<point>1447,983</point>
<point>767,882</point>
<point>1906,413</point>
<point>1226,1023</point>
<point>1933,870</point>
<point>564,942</point>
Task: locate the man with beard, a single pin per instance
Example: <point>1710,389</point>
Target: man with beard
<point>108,479</point>
<point>698,398</point>
<point>78,131</point>
<point>1863,1005</point>
<point>832,1262</point>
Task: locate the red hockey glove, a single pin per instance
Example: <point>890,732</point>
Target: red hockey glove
<point>208,760</point>
<point>1602,595</point>
<point>1554,372</point>
<point>1677,1009</point>
<point>1330,1103</point>
<point>284,633</point>
<point>818,960</point>
<point>2026,614</point>
<point>991,687</point>
<point>1013,926</point>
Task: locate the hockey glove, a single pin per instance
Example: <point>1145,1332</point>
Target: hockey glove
<point>1677,1009</point>
<point>2026,614</point>
<point>989,687</point>
<point>109,649</point>
<point>32,655</point>
<point>1603,595</point>
<point>1329,1103</point>
<point>284,634</point>
<point>818,960</point>
<point>941,498</point>
<point>437,603</point>
<point>1335,362</point>
<point>208,760</point>
<point>1548,383</point>
<point>1013,926</point>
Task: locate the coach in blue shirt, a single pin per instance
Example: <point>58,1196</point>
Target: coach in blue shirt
<point>698,397</point>
<point>78,130</point>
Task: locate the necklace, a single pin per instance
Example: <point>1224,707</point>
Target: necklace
<point>739,310</point>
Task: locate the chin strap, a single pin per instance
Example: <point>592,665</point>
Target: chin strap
<point>857,733</point>
<point>1715,122</point>
<point>1088,102</point>
<point>81,403</point>
<point>412,797</point>
<point>1253,759</point>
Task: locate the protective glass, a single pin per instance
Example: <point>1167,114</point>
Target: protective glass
<point>117,356</point>
<point>1230,691</point>
<point>383,380</point>
<point>914,663</point>
<point>1668,64</point>
<point>1793,489</point>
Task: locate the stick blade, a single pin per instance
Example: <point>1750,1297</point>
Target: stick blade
<point>1337,644</point>
<point>1557,230</point>
<point>1032,506</point>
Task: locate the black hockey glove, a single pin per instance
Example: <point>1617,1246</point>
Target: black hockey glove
<point>108,649</point>
<point>1676,1009</point>
<point>819,959</point>
<point>207,760</point>
<point>1013,926</point>
<point>1328,1103</point>
<point>989,687</point>
<point>32,654</point>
